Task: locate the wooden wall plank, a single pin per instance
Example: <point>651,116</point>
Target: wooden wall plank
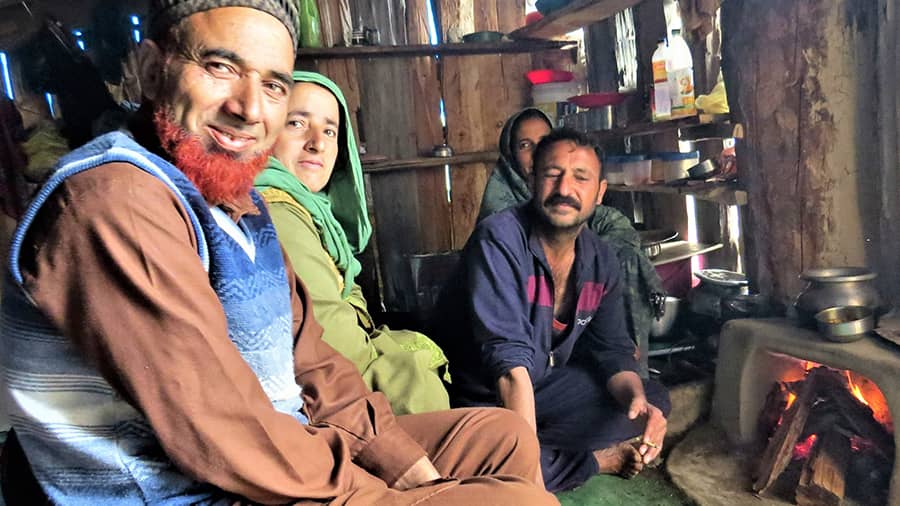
<point>457,19</point>
<point>485,15</point>
<point>384,100</point>
<point>460,17</point>
<point>387,112</point>
<point>466,189</point>
<point>480,93</point>
<point>330,23</point>
<point>435,224</point>
<point>510,14</point>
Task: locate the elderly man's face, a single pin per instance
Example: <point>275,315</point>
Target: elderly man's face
<point>221,97</point>
<point>231,87</point>
<point>308,145</point>
<point>567,185</point>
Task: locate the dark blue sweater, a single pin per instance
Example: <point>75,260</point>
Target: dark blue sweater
<point>497,311</point>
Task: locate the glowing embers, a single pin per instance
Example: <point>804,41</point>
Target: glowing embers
<point>829,434</point>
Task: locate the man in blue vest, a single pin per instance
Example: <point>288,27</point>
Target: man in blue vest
<point>157,347</point>
<point>535,322</point>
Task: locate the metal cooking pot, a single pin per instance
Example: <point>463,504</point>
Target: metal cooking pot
<point>662,325</point>
<point>836,286</point>
<point>715,285</point>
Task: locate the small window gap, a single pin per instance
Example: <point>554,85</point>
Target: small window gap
<point>7,76</point>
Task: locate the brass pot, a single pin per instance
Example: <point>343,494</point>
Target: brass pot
<point>836,286</point>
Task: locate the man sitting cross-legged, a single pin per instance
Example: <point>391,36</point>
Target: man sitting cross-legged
<point>534,321</point>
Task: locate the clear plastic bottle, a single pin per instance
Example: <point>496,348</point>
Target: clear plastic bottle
<point>661,98</point>
<point>680,73</point>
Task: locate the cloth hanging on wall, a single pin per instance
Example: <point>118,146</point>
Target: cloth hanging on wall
<point>698,16</point>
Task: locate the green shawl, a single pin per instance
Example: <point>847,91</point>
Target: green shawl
<point>339,210</point>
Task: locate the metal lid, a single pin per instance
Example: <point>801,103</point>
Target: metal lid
<point>674,156</point>
<point>722,277</point>
<point>838,274</point>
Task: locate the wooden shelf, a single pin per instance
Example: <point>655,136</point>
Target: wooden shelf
<point>701,121</point>
<point>429,161</point>
<point>576,15</point>
<point>724,193</point>
<point>679,250</point>
<point>468,48</point>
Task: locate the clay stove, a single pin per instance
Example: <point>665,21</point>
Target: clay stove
<point>753,353</point>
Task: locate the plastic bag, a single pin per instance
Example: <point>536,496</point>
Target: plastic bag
<point>310,32</point>
<point>714,103</point>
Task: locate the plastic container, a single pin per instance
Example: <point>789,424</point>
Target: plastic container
<point>544,76</point>
<point>680,74</point>
<point>612,169</point>
<point>661,98</point>
<point>634,169</point>
<point>554,92</point>
<point>672,166</point>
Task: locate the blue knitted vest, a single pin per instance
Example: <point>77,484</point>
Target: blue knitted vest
<point>85,444</point>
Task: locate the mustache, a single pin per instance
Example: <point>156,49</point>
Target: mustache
<point>557,199</point>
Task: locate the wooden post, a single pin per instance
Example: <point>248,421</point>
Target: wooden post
<point>650,26</point>
<point>600,45</point>
<point>801,77</point>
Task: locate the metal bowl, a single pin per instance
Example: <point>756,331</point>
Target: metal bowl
<point>845,324</point>
<point>483,36</point>
<point>651,240</point>
<point>442,151</point>
<point>702,170</point>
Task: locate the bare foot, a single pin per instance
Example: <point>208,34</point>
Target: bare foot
<point>622,459</point>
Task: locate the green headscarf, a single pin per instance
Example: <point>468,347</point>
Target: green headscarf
<point>339,210</point>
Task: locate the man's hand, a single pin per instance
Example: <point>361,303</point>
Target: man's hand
<point>655,430</point>
<point>422,471</point>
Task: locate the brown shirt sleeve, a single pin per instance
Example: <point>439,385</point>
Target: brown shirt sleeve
<point>112,262</point>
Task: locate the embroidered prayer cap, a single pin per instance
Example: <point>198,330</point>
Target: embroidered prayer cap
<point>165,13</point>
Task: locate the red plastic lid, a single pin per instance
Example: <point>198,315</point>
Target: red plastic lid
<point>544,76</point>
<point>597,99</point>
<point>533,17</point>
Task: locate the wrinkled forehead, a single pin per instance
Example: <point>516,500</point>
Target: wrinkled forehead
<point>567,154</point>
<point>256,40</point>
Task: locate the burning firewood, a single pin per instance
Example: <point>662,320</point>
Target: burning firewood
<point>832,421</point>
<point>823,480</point>
<point>781,447</point>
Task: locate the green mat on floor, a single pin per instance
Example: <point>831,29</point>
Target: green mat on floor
<point>650,488</point>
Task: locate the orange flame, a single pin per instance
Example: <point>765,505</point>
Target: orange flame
<point>790,400</point>
<point>855,390</point>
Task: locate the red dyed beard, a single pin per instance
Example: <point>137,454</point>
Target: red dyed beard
<point>219,175</point>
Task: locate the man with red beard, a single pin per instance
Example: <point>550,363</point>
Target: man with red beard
<point>157,347</point>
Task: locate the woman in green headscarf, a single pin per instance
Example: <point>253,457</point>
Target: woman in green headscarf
<point>314,187</point>
<point>508,187</point>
